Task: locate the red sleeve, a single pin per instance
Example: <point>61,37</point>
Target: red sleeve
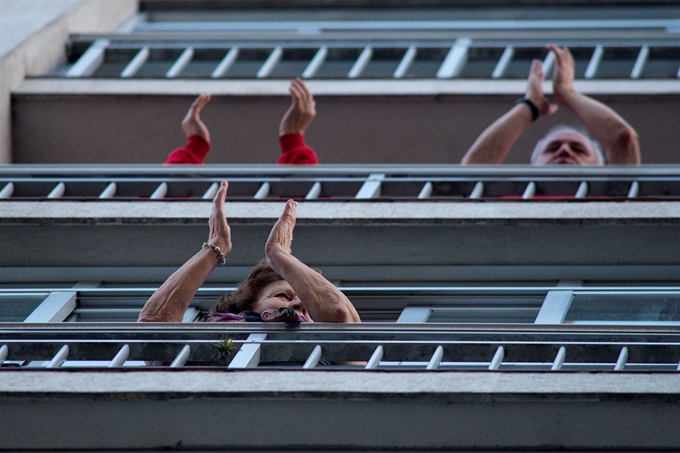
<point>295,151</point>
<point>193,152</point>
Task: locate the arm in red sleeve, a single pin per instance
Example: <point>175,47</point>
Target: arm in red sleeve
<point>295,151</point>
<point>193,152</point>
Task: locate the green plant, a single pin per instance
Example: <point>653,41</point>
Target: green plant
<point>223,351</point>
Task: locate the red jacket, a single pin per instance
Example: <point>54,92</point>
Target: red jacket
<point>293,151</point>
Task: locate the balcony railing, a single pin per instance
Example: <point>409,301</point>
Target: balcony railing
<point>395,347</point>
<point>328,183</point>
<point>365,46</point>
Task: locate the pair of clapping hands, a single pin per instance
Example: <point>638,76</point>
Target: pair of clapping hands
<point>280,238</point>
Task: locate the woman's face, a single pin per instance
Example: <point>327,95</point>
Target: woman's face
<point>277,295</point>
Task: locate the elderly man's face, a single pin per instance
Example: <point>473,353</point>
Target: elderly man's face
<point>565,147</point>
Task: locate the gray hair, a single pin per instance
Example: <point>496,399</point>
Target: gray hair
<point>597,148</point>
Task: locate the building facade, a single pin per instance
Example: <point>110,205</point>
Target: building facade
<point>503,307</point>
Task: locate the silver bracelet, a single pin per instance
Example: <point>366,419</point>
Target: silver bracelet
<point>223,259</point>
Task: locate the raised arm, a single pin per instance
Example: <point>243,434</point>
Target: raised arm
<point>198,136</point>
<point>294,124</point>
<point>192,124</point>
<point>171,300</point>
<point>323,301</point>
<point>496,141</point>
<point>618,138</point>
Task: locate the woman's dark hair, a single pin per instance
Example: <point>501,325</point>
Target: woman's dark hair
<point>244,297</point>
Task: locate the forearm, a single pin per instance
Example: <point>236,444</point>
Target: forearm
<point>323,301</point>
<point>171,300</point>
<point>618,137</point>
<point>496,141</point>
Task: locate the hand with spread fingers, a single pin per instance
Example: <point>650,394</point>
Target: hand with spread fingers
<point>281,236</point>
<point>302,110</point>
<point>192,124</point>
<point>220,233</point>
<point>563,75</point>
<point>534,91</point>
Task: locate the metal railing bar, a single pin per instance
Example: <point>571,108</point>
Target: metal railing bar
<point>250,353</point>
<point>347,176</point>
<point>414,314</point>
<point>477,191</point>
<point>211,192</point>
<point>314,192</point>
<point>226,63</point>
<point>181,63</point>
<point>503,63</point>
<point>316,63</point>
<point>156,172</point>
<point>313,359</point>
<point>514,291</point>
<point>262,192</point>
<point>582,190</point>
<point>406,62</point>
<point>594,63</point>
<point>640,62</point>
<point>455,60</point>
<point>90,61</point>
<point>634,189</point>
<point>58,191</point>
<point>121,357</point>
<point>603,334</point>
<point>426,191</point>
<point>361,63</point>
<point>468,342</point>
<point>409,347</point>
<point>403,25</point>
<point>191,314</point>
<point>160,192</point>
<point>548,63</point>
<point>7,191</point>
<point>55,308</point>
<point>621,361</point>
<point>559,359</point>
<point>436,359</point>
<point>107,311</point>
<point>555,307</point>
<point>182,357</point>
<point>133,42</point>
<point>136,63</point>
<point>109,191</point>
<point>59,358</point>
<point>270,63</point>
<point>377,356</point>
<point>497,358</point>
<point>529,191</point>
<point>370,188</point>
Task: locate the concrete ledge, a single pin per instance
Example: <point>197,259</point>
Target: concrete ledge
<point>338,384</point>
<point>338,213</point>
<point>337,410</point>
<point>73,87</point>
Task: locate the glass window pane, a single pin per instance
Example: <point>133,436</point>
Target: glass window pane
<point>17,307</point>
<point>640,307</point>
